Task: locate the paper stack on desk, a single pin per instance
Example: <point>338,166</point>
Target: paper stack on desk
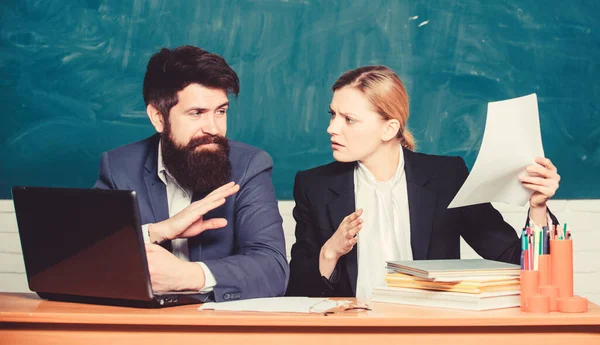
<point>475,284</point>
<point>454,269</point>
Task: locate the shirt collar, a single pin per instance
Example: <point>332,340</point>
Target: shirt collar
<point>368,177</point>
<point>162,171</point>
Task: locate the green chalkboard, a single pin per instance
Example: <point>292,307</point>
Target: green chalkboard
<point>71,76</point>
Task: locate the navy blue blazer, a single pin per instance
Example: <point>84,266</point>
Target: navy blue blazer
<point>247,257</point>
<point>325,195</point>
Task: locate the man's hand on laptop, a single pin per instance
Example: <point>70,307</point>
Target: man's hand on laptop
<point>190,221</point>
<point>168,273</point>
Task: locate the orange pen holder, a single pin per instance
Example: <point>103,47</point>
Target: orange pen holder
<point>561,266</point>
<point>550,288</point>
<point>530,282</point>
<point>552,293</point>
<point>544,266</point>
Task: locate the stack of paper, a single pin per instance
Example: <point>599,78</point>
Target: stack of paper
<point>454,268</point>
<point>475,284</point>
<point>444,299</point>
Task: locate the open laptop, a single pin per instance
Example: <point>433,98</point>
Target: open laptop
<point>86,245</point>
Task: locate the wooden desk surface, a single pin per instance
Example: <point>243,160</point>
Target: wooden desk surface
<point>23,317</point>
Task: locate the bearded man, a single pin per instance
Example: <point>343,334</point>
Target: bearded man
<point>211,220</point>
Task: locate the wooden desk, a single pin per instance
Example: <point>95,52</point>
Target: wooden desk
<point>25,319</point>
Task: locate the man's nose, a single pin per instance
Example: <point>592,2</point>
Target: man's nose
<point>210,126</point>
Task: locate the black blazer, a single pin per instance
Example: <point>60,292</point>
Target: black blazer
<point>325,195</point>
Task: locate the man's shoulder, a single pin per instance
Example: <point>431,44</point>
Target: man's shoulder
<point>141,145</point>
<point>133,153</point>
<point>243,154</point>
<point>239,147</point>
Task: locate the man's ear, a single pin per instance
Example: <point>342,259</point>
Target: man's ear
<point>156,118</point>
<point>391,130</point>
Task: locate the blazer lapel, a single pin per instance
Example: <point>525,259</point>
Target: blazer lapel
<point>421,205</point>
<point>157,191</point>
<point>338,208</point>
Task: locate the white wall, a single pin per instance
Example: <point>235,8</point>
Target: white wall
<point>582,216</point>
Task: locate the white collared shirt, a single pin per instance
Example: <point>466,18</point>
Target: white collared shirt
<point>385,234</point>
<point>178,198</point>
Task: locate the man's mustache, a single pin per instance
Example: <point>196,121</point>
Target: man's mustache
<point>207,139</point>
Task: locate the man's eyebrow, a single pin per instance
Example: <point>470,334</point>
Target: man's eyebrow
<point>198,109</point>
<point>204,110</point>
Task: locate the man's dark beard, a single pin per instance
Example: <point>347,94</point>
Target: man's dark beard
<point>200,171</point>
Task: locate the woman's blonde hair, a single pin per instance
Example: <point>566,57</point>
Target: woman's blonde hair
<point>385,92</point>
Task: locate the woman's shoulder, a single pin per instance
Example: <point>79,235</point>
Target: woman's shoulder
<point>332,169</point>
<point>431,161</point>
<point>327,175</point>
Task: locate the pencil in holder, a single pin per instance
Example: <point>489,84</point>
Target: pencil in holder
<point>561,266</point>
<point>544,266</point>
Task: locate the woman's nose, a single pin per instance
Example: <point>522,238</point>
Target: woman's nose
<point>333,127</point>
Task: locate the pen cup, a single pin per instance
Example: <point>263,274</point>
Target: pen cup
<point>544,266</point>
<point>529,281</point>
<point>552,293</point>
<point>574,304</point>
<point>561,266</point>
<point>538,304</point>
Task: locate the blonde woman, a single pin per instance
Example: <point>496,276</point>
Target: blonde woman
<point>382,201</point>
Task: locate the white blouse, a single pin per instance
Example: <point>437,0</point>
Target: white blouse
<point>385,234</point>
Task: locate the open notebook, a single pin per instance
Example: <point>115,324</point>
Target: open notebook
<point>302,305</point>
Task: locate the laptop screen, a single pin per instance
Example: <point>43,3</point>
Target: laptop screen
<point>84,242</point>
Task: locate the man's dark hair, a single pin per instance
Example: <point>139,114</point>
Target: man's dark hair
<point>171,70</point>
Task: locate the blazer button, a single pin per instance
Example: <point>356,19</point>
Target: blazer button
<point>226,296</point>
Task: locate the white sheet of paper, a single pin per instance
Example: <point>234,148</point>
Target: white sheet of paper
<point>511,141</point>
<point>275,305</point>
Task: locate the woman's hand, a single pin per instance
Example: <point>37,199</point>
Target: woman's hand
<point>542,178</point>
<point>342,242</point>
